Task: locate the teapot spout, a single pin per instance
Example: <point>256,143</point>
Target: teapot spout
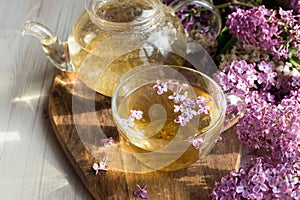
<point>55,50</point>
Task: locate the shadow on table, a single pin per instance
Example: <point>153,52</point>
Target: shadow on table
<point>80,134</point>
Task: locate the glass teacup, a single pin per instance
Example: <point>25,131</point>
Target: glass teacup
<point>169,116</point>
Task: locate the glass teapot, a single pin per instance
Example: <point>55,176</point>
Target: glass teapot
<point>113,37</point>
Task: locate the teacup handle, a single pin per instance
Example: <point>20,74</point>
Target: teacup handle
<point>235,109</point>
<point>178,5</point>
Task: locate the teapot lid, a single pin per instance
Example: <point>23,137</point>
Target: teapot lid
<point>122,14</point>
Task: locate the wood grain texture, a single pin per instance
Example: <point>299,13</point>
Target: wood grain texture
<point>194,182</point>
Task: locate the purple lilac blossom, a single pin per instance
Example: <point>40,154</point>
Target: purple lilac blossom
<point>274,127</point>
<point>100,167</point>
<point>272,116</point>
<point>194,17</point>
<point>260,178</point>
<point>197,142</point>
<point>141,192</point>
<point>242,78</point>
<point>199,23</point>
<point>188,108</point>
<point>275,31</point>
<point>160,87</point>
<point>108,141</point>
<point>272,122</point>
<point>134,115</point>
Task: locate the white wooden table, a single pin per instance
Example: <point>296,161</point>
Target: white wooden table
<point>32,164</point>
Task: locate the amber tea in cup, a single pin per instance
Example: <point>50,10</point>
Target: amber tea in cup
<point>168,116</point>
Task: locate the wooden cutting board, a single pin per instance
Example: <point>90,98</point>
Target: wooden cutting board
<point>80,117</point>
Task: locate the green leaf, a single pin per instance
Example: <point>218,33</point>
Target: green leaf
<point>225,42</point>
<point>294,59</point>
<point>294,62</point>
<point>293,51</point>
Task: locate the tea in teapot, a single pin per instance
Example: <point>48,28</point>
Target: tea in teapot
<point>112,37</point>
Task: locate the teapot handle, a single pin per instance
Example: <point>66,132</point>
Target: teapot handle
<point>179,5</point>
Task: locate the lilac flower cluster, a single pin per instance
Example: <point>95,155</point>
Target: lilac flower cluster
<point>187,107</point>
<point>261,178</point>
<point>242,78</point>
<point>275,31</point>
<point>193,16</point>
<point>273,111</point>
<point>274,127</point>
<point>198,22</point>
<point>272,122</point>
<point>187,17</point>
